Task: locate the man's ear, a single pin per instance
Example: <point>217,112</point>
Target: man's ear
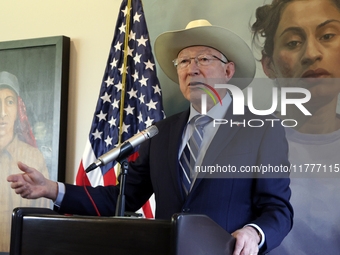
<point>267,66</point>
<point>229,70</point>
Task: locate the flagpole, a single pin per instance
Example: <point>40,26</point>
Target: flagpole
<point>122,97</point>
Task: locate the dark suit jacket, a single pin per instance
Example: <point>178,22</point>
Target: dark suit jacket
<point>231,202</point>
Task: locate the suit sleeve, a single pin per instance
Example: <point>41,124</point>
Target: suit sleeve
<point>272,193</point>
<point>137,191</point>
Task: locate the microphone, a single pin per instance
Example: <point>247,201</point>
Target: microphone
<point>124,149</point>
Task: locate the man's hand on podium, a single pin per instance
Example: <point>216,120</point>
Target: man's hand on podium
<point>32,184</point>
<point>247,240</point>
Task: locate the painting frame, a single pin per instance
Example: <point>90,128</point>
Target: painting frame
<point>24,56</point>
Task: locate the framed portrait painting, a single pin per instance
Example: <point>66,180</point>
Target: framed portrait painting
<point>33,116</point>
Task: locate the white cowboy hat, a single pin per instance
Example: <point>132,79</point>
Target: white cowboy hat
<point>202,33</point>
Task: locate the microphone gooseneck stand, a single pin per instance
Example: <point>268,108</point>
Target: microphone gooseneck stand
<point>120,206</point>
<point>123,161</point>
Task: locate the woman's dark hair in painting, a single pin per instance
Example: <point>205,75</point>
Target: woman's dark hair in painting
<point>267,20</point>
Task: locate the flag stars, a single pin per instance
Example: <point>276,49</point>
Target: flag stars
<point>132,35</point>
<point>122,28</point>
<point>101,116</point>
<point>140,117</point>
<point>119,86</point>
<point>114,63</point>
<point>135,76</point>
<point>106,98</point>
<point>118,46</point>
<point>149,122</point>
<point>157,89</point>
<point>149,65</point>
<point>112,122</point>
<point>143,81</point>
<point>129,110</point>
<point>109,81</point>
<point>151,105</point>
<point>122,69</point>
<point>141,99</point>
<point>125,128</point>
<point>129,51</point>
<point>136,17</point>
<point>97,135</point>
<point>108,141</point>
<point>132,93</point>
<point>125,11</point>
<point>116,113</point>
<point>142,41</point>
<point>137,58</point>
<point>115,103</point>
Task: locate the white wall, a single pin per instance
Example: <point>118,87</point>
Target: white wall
<point>90,25</point>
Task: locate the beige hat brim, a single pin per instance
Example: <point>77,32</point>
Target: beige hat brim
<point>169,44</point>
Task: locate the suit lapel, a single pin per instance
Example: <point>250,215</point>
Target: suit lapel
<point>223,136</point>
<point>175,140</point>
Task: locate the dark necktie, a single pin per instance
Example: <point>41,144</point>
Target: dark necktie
<point>189,155</point>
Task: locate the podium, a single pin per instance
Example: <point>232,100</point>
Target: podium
<point>43,231</point>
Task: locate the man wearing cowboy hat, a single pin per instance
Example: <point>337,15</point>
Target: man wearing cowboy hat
<point>256,211</point>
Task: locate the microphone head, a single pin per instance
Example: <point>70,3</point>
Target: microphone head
<point>151,131</point>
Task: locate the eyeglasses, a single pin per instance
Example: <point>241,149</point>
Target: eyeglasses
<point>201,60</point>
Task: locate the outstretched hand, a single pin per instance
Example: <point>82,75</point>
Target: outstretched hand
<point>32,184</point>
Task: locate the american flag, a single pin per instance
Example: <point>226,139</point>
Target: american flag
<point>143,96</point>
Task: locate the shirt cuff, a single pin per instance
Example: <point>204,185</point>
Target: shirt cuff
<point>263,237</point>
<point>61,193</point>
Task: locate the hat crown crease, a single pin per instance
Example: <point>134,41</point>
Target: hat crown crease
<point>198,23</point>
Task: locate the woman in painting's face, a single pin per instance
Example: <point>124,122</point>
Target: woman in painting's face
<point>307,45</point>
<point>8,115</point>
